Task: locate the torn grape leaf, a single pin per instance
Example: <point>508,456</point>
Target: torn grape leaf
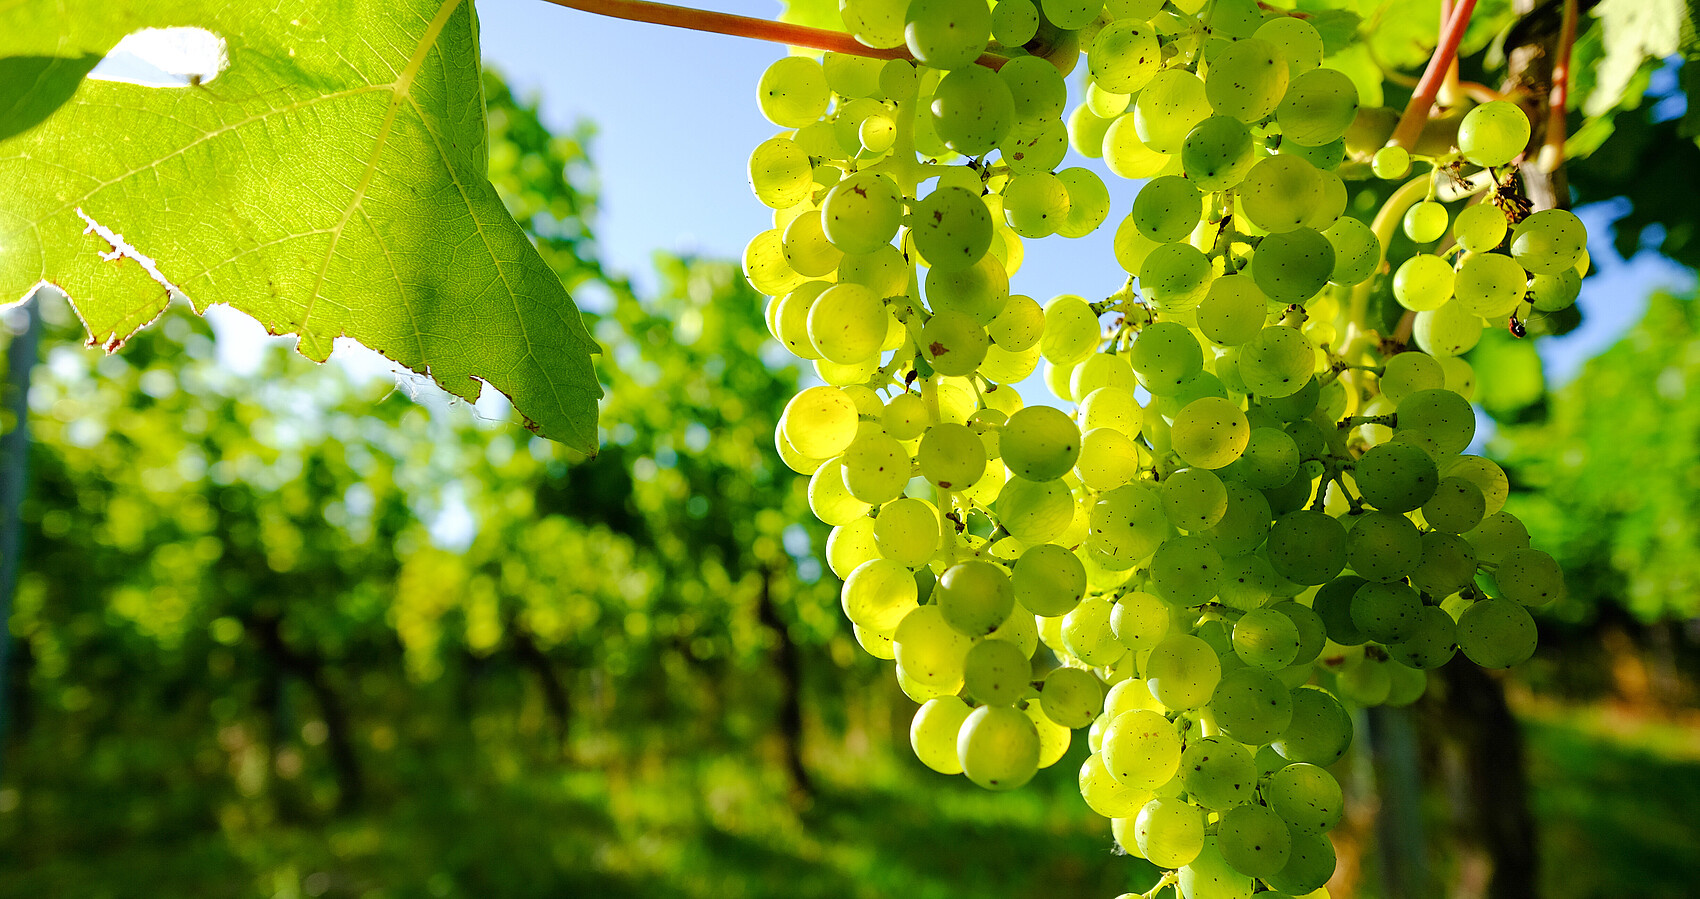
<point>330,182</point>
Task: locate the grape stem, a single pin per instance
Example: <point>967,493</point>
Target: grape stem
<point>745,26</point>
<point>1558,101</point>
<point>1352,421</point>
<point>1428,87</point>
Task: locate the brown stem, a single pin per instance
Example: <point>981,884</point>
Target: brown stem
<point>1552,150</point>
<point>1416,112</point>
<point>745,26</point>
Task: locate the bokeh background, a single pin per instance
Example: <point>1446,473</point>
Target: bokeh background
<point>293,630</point>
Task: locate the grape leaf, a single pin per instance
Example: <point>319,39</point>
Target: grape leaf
<point>330,181</point>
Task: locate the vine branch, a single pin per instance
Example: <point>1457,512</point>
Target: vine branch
<point>1428,87</point>
<point>745,26</point>
<point>1558,101</point>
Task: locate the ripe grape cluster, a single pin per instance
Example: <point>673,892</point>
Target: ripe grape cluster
<point>1258,513</point>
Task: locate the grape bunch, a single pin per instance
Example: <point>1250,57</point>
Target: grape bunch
<point>1258,512</point>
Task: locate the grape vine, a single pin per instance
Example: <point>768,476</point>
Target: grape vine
<point>1259,513</point>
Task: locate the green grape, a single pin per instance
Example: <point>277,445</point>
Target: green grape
<point>1306,797</point>
<point>1327,157</point>
<point>1300,43</point>
<point>905,417</point>
<point>1170,832</point>
<point>830,499</point>
<point>998,747</point>
<point>1233,310</point>
<point>1071,15</point>
<point>1444,416</point>
<point>1021,629</point>
<point>1496,633</point>
<point>1210,877</point>
<point>933,733</point>
<point>1035,204</point>
<point>1040,443</point>
<point>1131,694</point>
<point>1318,108</point>
<point>1448,331</point>
<point>1124,56</point>
<point>1253,840</point>
<point>1112,407</point>
<point>1552,293</point>
<point>952,228</point>
<point>1049,580</point>
<point>972,110</point>
<point>954,344</point>
<point>1431,642</point>
<point>1480,228</point>
<point>1142,10</point>
<point>1406,685</point>
<point>876,467</point>
<point>1493,133</point>
<point>1070,697</point>
<point>850,545</point>
<point>1217,153</point>
<point>780,173</point>
<point>979,291</point>
<point>820,422</point>
<point>1035,511</point>
<point>1218,773</point>
<point>1164,356</point>
<point>794,460</point>
<point>1086,632</point>
<point>1407,373</point>
<point>877,133</point>
<point>1270,460</point>
<point>1108,459</point>
<point>1248,581</point>
<point>1310,864</point>
<point>1088,202</point>
<point>1182,672</point>
<point>1106,104</point>
<point>883,271</point>
<point>1210,432</point>
<point>1390,163</point>
<point>806,248</point>
<point>852,77</point>
<point>1383,546</point>
<point>1279,193</point>
<point>1386,612</point>
<point>1333,605</point>
<point>1245,523</point>
<point>877,645</point>
<point>1277,363</point>
<point>1089,133</point>
<point>1014,22</point>
<point>1175,276</point>
<point>1357,251</point>
<point>847,323</point>
<point>1457,506</point>
<point>951,456</point>
<point>1307,547</point>
<point>1530,577</point>
<point>878,594</point>
<point>1448,564</point>
<point>1141,749</point>
<point>1293,266</point>
<point>1332,205</point>
<point>1168,208</point>
<point>1186,571</point>
<point>877,23</point>
<point>792,318</point>
<point>1267,639</point>
<point>1549,242</point>
<point>1036,87</point>
<point>765,265</point>
<point>907,531</point>
<point>975,597</point>
<point>1194,499</point>
<point>1397,477</point>
<point>1071,331</point>
<point>996,672</point>
<point>930,651</point>
<point>947,34</point>
<point>1486,475</point>
<point>1246,80</point>
<point>1490,285</point>
<point>1035,149</point>
<point>1425,222</point>
<point>1320,731</point>
<point>1251,706</point>
<point>1102,370</point>
<point>1167,109</point>
<point>793,92</point>
<point>1126,154</point>
<point>1106,795</point>
<point>1498,535</point>
<point>1140,621</point>
<point>861,213</point>
<point>1019,325</point>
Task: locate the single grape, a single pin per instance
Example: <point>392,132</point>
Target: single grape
<point>1182,672</point>
<point>1425,222</point>
<point>1246,80</point>
<point>998,747</point>
<point>1210,432</point>
<point>1480,227</point>
<point>793,92</point>
<point>1496,633</point>
<point>1306,796</point>
<point>1493,133</point>
<point>947,34</point>
<point>934,730</point>
<point>975,597</point>
<point>972,109</point>
<point>1318,107</point>
<point>1218,773</point>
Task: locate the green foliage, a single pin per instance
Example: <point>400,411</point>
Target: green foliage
<point>328,188</point>
<point>1608,480</point>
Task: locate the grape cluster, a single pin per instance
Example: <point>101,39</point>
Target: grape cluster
<point>1258,513</point>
